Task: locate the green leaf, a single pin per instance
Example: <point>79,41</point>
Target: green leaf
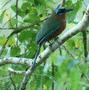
<point>2,40</point>
<point>2,16</point>
<point>32,16</point>
<point>12,23</point>
<point>11,41</point>
<point>39,2</point>
<point>27,35</point>
<point>15,51</point>
<point>70,44</point>
<point>21,12</point>
<point>75,79</point>
<point>32,48</point>
<point>75,6</point>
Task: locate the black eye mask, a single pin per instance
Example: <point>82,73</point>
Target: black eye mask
<point>60,10</point>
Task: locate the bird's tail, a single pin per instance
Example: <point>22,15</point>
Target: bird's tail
<point>37,53</point>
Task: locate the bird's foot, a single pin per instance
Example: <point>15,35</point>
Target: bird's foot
<point>50,44</point>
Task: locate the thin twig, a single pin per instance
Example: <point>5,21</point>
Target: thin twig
<point>53,75</point>
<point>26,78</point>
<point>12,82</point>
<point>85,44</point>
<point>19,29</point>
<point>5,4</point>
<point>16,13</point>
<point>68,52</point>
<point>17,19</point>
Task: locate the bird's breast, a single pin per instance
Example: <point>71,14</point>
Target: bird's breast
<point>62,25</point>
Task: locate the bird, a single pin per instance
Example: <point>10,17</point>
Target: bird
<point>51,28</point>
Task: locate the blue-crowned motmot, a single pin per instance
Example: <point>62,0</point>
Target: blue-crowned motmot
<point>51,28</point>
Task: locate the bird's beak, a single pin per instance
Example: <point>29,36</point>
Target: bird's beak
<point>68,10</point>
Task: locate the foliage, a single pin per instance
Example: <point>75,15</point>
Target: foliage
<point>70,73</point>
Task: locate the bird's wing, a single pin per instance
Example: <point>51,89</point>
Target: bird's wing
<point>49,27</point>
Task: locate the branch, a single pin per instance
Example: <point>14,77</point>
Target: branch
<point>82,25</point>
<point>14,60</point>
<point>18,30</point>
<point>16,72</point>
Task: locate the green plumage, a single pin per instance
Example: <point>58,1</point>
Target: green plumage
<point>48,28</point>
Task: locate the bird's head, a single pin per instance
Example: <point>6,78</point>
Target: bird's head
<point>61,10</point>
